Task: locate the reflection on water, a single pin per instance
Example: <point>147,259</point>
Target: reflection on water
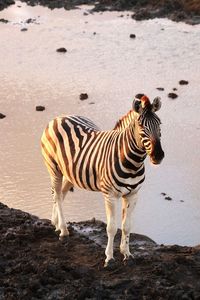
<point>111,68</point>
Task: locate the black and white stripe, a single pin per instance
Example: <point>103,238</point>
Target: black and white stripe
<point>107,161</point>
<point>77,153</point>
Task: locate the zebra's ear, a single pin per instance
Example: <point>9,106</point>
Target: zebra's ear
<point>156,105</point>
<point>137,107</point>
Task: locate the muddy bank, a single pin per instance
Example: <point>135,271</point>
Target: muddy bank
<point>34,264</point>
<point>178,10</point>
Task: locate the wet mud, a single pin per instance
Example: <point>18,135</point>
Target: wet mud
<point>34,264</point>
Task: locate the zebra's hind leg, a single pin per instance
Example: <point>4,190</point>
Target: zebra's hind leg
<point>128,205</point>
<point>57,212</point>
<point>111,228</point>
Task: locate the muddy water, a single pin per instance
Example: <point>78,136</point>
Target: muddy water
<point>103,61</point>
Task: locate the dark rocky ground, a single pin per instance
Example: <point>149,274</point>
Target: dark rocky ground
<point>34,264</point>
<point>177,10</point>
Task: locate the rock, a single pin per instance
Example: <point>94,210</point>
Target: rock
<point>2,116</point>
<point>4,20</point>
<point>83,96</point>
<point>44,268</point>
<point>40,108</point>
<point>132,36</point>
<point>160,89</point>
<point>142,14</point>
<point>6,3</point>
<point>28,21</point>
<point>168,198</point>
<point>24,29</point>
<point>172,95</point>
<point>183,82</point>
<point>61,50</point>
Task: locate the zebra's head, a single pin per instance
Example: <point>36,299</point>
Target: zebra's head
<point>148,125</point>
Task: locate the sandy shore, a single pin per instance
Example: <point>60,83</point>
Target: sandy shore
<point>34,264</point>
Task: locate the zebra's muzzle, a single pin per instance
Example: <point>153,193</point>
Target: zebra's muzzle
<point>157,153</point>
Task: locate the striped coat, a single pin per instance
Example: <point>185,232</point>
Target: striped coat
<point>107,161</point>
<point>77,153</point>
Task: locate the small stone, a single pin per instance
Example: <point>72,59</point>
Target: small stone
<point>132,36</point>
<point>4,20</point>
<point>62,50</point>
<point>29,20</point>
<point>40,108</point>
<point>83,96</point>
<point>24,29</point>
<point>160,88</point>
<point>163,194</point>
<point>183,82</point>
<point>2,116</point>
<point>168,198</point>
<point>172,95</point>
<point>94,33</point>
<point>174,89</point>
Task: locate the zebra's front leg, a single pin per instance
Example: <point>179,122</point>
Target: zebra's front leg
<point>111,228</point>
<point>128,205</point>
<point>57,212</point>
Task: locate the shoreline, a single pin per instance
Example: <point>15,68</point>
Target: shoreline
<point>34,264</point>
<point>141,10</point>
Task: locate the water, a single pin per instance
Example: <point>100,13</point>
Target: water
<point>111,68</point>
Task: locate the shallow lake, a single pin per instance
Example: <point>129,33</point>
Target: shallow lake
<point>103,61</point>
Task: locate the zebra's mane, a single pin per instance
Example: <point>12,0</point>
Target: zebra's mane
<point>124,121</point>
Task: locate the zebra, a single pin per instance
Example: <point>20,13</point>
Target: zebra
<point>78,154</point>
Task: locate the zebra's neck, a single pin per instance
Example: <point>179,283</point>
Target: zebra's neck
<point>129,124</point>
<point>124,121</point>
<point>131,155</point>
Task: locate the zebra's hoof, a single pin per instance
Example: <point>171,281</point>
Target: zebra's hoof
<point>128,260</point>
<point>110,265</point>
<point>64,238</point>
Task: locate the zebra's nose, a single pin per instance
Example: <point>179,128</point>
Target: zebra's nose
<point>157,153</point>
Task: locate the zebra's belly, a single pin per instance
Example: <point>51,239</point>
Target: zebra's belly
<point>83,178</point>
<point>115,190</point>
